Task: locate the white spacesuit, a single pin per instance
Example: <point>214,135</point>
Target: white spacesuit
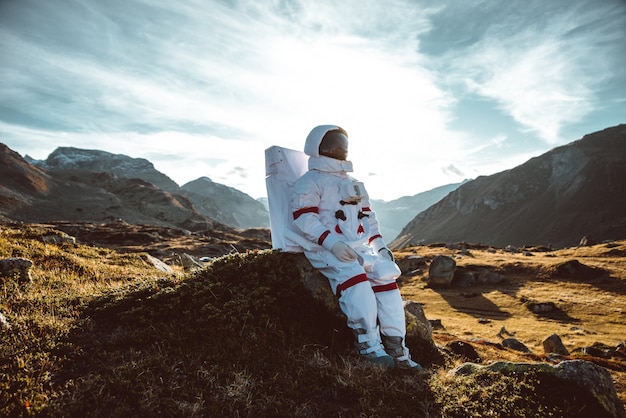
<point>332,211</point>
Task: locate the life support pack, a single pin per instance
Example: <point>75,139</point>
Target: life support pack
<point>283,166</point>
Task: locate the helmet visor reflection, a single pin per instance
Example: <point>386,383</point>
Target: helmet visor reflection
<point>334,145</point>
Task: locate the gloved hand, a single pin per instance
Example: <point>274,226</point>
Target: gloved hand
<point>386,253</point>
<point>343,252</point>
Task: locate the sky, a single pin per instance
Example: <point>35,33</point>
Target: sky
<point>430,93</point>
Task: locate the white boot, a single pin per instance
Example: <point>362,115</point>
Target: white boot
<point>394,346</point>
<point>369,347</point>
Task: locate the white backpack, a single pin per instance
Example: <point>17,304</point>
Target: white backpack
<point>283,167</point>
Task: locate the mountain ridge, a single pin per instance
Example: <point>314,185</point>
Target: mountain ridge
<point>573,191</point>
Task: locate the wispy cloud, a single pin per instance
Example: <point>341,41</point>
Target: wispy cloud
<point>544,68</point>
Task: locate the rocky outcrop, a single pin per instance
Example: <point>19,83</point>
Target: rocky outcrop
<point>419,331</point>
<point>587,383</point>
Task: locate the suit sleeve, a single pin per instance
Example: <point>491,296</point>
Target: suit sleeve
<point>375,238</point>
<point>305,201</point>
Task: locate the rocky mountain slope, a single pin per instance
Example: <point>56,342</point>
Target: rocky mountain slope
<point>70,158</point>
<point>210,200</point>
<point>573,191</point>
<point>31,194</point>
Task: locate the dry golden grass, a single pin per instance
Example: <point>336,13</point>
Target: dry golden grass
<point>591,309</point>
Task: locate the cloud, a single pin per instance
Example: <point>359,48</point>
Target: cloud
<point>543,67</point>
<point>451,169</point>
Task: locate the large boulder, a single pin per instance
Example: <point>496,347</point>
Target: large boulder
<point>441,271</point>
<point>586,383</point>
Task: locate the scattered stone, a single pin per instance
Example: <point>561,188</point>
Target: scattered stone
<point>464,279</point>
<point>515,344</point>
<point>574,269</point>
<point>553,344</point>
<point>58,238</point>
<point>411,265</point>
<point>540,307</point>
<point>4,324</point>
<point>16,266</point>
<point>441,271</point>
<point>470,294</point>
<point>554,358</point>
<point>503,331</point>
<point>484,321</point>
<point>436,323</point>
<point>189,262</point>
<point>158,264</point>
<point>595,379</point>
<point>595,352</point>
<point>511,249</point>
<point>464,350</point>
<point>485,276</point>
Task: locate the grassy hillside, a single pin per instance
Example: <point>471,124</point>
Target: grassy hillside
<point>102,333</point>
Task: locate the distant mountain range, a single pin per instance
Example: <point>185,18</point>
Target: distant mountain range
<point>573,191</point>
<point>395,214</point>
<point>95,186</point>
<point>555,199</point>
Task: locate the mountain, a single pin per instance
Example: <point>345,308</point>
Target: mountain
<point>31,194</point>
<point>226,204</point>
<point>69,158</point>
<point>555,199</point>
<point>212,200</point>
<point>395,214</point>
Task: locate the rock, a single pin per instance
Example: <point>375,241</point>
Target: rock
<point>464,350</point>
<point>419,338</point>
<point>573,377</point>
<point>441,271</point>
<point>436,323</point>
<point>464,279</point>
<point>411,263</point>
<point>485,276</point>
<point>553,344</point>
<point>4,324</point>
<point>158,264</point>
<point>596,380</point>
<point>515,344</point>
<point>58,238</point>
<point>16,266</point>
<point>503,331</point>
<point>540,307</point>
<point>574,269</point>
<point>189,262</point>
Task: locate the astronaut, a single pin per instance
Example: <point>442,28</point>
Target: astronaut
<point>332,210</point>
